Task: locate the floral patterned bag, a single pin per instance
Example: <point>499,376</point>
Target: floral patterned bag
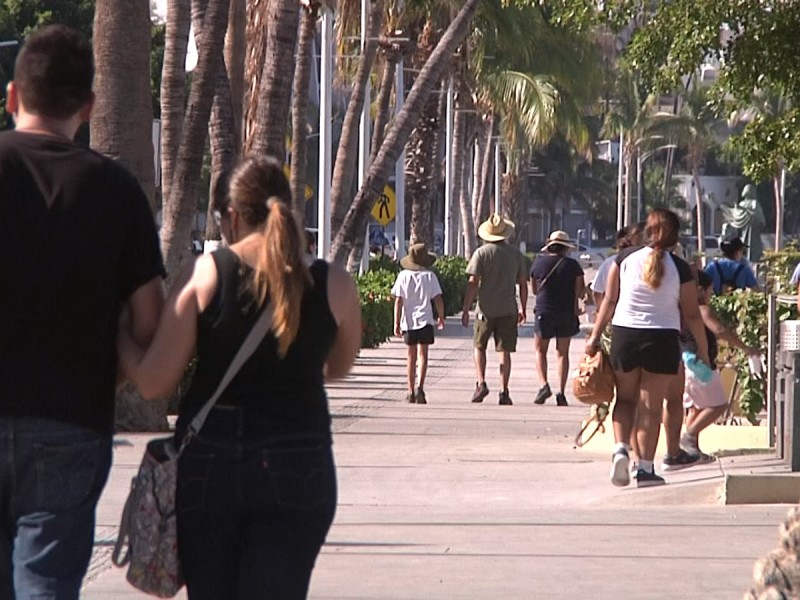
<point>148,537</point>
<point>152,537</point>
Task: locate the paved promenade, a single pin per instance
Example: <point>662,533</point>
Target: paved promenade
<point>458,500</point>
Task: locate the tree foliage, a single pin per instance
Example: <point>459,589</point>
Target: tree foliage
<point>19,17</point>
<point>755,42</point>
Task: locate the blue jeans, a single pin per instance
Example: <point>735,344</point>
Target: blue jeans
<point>51,476</point>
<point>253,508</point>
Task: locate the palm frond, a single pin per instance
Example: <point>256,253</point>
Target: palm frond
<point>529,100</point>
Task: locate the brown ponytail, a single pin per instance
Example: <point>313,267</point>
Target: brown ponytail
<point>653,271</point>
<point>662,233</point>
<point>260,192</point>
<point>281,272</point>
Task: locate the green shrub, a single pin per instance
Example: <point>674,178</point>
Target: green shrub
<point>377,306</point>
<point>384,263</point>
<point>777,268</point>
<point>451,271</point>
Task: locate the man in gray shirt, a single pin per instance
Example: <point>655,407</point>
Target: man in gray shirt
<point>494,270</point>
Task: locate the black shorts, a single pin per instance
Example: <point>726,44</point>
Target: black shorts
<point>423,336</point>
<point>555,325</point>
<point>654,350</point>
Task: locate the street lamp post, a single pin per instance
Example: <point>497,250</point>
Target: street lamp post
<point>448,175</point>
<point>325,115</point>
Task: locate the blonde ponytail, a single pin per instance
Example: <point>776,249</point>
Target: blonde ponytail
<point>281,272</point>
<point>653,271</point>
<point>662,233</point>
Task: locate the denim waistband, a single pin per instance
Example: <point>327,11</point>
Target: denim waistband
<point>236,424</point>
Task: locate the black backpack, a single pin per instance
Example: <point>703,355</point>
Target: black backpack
<point>727,285</point>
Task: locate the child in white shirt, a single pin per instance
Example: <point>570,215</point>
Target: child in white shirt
<point>414,290</point>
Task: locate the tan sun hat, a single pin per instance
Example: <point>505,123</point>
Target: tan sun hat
<point>418,258</point>
<point>559,237</point>
<point>495,229</point>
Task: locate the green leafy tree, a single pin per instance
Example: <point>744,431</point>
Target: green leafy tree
<point>755,42</point>
<point>18,18</point>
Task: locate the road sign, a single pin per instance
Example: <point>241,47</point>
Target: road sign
<point>385,207</point>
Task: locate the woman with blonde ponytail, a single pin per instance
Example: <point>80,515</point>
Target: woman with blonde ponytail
<point>257,486</point>
<point>649,292</point>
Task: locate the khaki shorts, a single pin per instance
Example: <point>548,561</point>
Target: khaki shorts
<point>504,330</point>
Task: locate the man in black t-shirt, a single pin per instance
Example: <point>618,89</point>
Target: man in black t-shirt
<point>79,245</point>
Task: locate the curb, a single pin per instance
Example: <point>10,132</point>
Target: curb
<point>761,489</point>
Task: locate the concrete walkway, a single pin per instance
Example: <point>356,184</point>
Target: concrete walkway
<point>461,500</point>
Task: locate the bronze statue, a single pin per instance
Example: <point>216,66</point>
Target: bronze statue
<point>745,220</point>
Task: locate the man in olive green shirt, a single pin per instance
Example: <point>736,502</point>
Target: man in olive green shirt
<point>495,270</point>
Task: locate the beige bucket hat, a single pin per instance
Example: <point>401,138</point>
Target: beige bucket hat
<point>559,237</point>
<point>495,229</point>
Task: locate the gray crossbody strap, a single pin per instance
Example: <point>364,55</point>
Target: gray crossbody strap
<point>254,338</point>
<point>553,270</point>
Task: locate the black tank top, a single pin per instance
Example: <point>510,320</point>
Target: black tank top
<point>288,394</point>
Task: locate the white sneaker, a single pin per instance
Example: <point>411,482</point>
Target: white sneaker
<point>620,468</point>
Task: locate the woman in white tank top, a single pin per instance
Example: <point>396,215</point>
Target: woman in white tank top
<point>649,291</point>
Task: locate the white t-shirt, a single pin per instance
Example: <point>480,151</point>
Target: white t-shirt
<point>641,307</point>
<point>417,289</point>
<point>599,281</point>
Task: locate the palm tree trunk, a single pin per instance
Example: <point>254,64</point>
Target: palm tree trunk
<point>480,197</point>
<point>345,166</point>
<point>235,51</point>
<point>181,205</point>
<point>302,81</point>
<point>431,73</point>
<point>221,126</point>
<point>173,87</point>
<point>275,92</point>
<point>422,171</point>
<point>256,38</point>
<point>123,112</point>
<point>512,198</point>
<point>384,97</point>
<point>222,141</point>
<point>424,148</point>
<point>121,128</point>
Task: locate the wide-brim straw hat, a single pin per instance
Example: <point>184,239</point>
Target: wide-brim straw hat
<point>418,258</point>
<point>559,237</point>
<point>495,229</point>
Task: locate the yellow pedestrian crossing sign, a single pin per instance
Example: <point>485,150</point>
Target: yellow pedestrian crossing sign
<point>385,207</point>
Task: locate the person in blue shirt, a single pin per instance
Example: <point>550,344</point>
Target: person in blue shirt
<point>731,271</point>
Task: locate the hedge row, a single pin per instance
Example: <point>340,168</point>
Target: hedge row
<point>377,303</point>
